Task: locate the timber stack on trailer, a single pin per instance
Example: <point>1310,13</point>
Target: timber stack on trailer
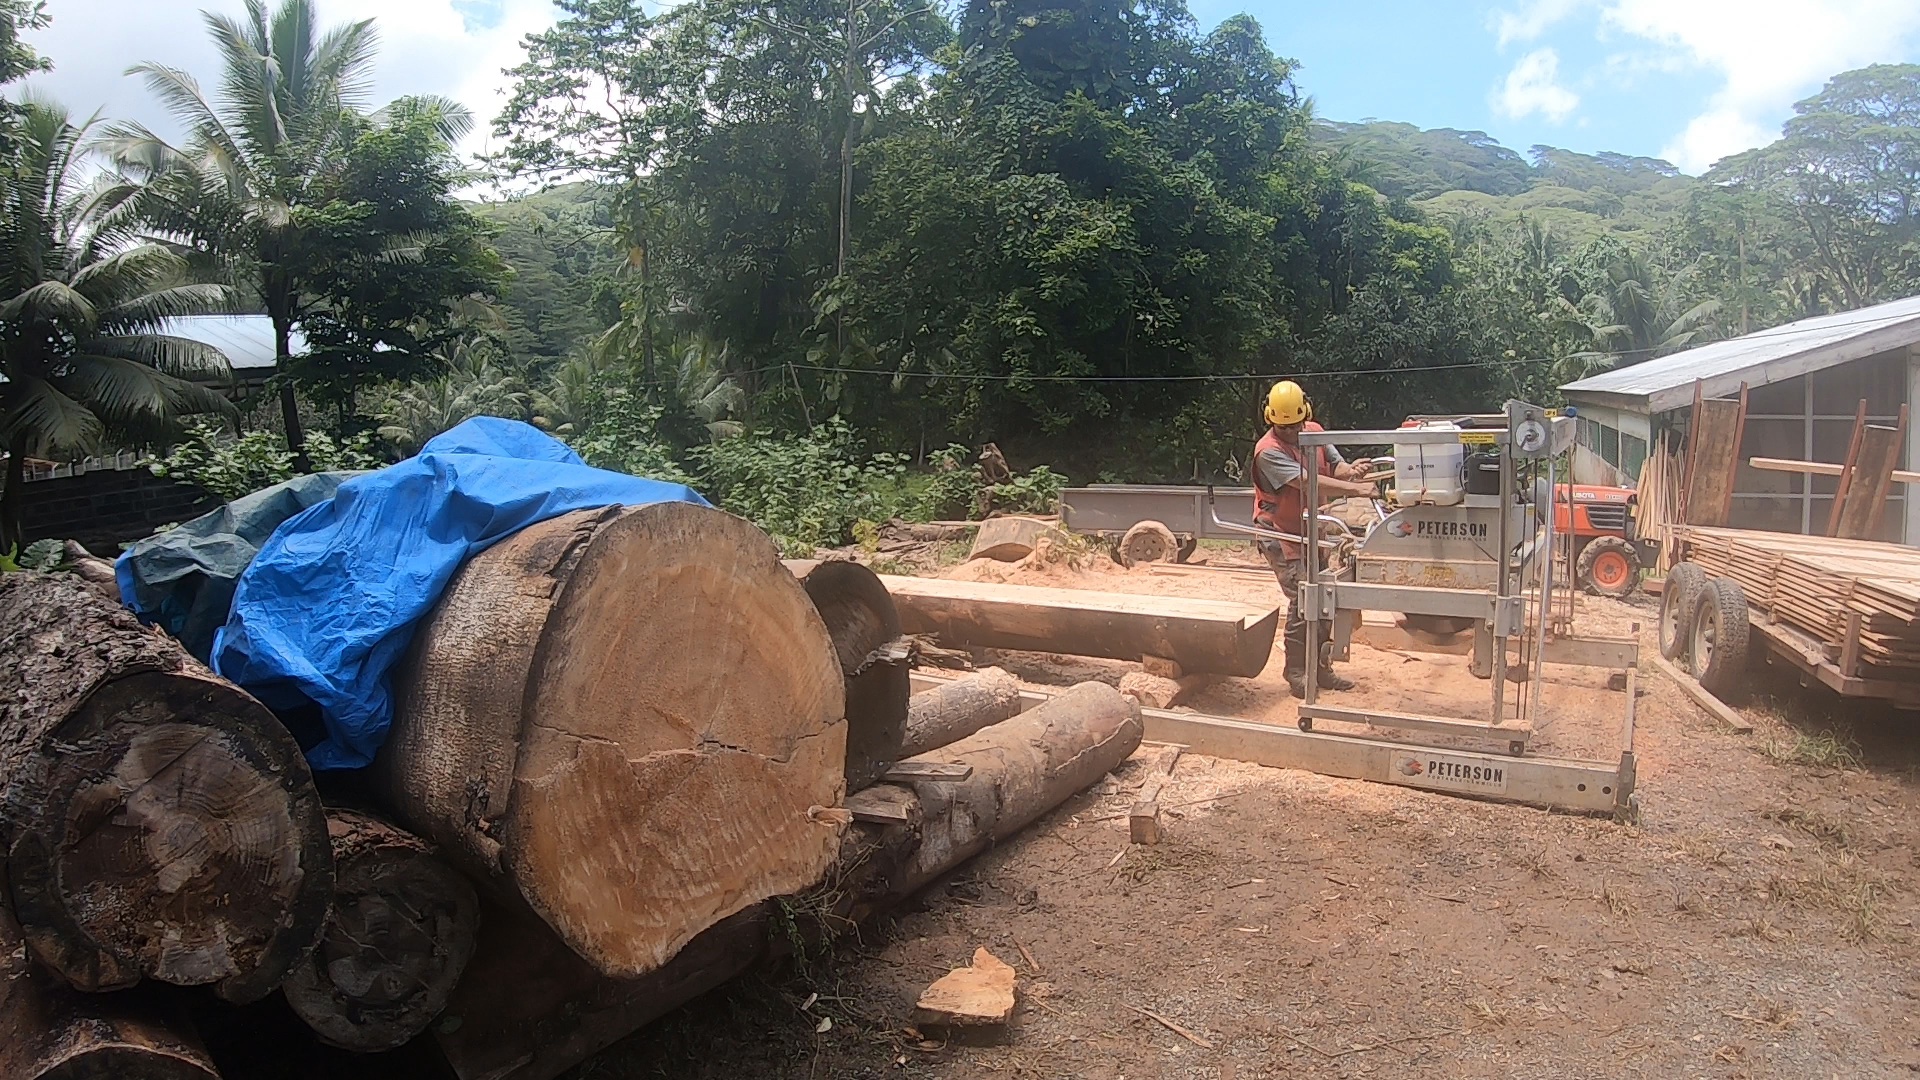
<point>628,720</point>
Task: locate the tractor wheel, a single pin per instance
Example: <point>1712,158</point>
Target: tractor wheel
<point>1608,566</point>
<point>1676,608</point>
<point>1146,542</point>
<point>1719,654</point>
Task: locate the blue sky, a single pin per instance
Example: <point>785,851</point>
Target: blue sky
<point>1689,80</point>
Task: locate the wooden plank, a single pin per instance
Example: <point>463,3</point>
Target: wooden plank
<point>1720,711</point>
<point>1143,819</point>
<point>1850,646</point>
<point>885,804</point>
<point>1203,636</point>
<point>1713,453</point>
<point>1821,468</point>
<point>1847,475</point>
<point>1859,515</point>
<point>935,772</point>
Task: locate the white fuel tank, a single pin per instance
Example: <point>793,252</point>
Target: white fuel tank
<point>1433,473</point>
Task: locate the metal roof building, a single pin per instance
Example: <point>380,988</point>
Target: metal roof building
<point>1804,381</point>
<point>247,341</point>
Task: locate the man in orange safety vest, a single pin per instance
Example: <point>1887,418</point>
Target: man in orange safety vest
<point>1279,473</point>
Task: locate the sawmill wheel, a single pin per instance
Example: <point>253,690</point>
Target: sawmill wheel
<point>1720,635</point>
<point>1147,542</point>
<point>1608,566</point>
<point>1676,608</point>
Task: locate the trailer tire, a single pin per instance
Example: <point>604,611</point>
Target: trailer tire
<point>1608,566</point>
<point>1719,638</point>
<point>1148,542</point>
<point>1676,608</point>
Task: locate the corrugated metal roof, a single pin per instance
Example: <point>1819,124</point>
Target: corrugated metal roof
<point>1759,358</point>
<point>247,340</point>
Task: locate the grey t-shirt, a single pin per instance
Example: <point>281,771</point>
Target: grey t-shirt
<point>1277,470</point>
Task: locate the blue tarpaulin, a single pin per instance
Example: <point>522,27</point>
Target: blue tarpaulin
<point>329,605</point>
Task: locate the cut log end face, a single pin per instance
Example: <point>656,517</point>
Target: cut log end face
<point>979,995</point>
<point>684,712</point>
<point>177,839</point>
<point>401,933</point>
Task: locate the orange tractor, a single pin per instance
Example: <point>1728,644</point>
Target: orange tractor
<point>1608,555</point>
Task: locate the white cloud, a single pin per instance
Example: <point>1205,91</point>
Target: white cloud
<point>1533,87</point>
<point>456,48</point>
<point>1769,53</point>
<point>1533,19</point>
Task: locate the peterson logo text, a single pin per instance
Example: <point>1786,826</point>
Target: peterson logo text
<point>1466,530</point>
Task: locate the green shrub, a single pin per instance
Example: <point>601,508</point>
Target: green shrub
<point>230,467</point>
<point>1036,491</point>
<point>806,491</point>
<point>624,436</point>
<point>952,486</point>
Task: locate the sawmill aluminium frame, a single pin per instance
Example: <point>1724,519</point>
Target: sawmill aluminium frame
<point>1592,787</point>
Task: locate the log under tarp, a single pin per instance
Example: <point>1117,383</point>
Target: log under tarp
<point>629,720</point>
<point>528,1009</point>
<point>158,822</point>
<point>1213,637</point>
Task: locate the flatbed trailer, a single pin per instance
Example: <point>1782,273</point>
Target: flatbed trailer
<point>1110,510</point>
<point>1837,662</point>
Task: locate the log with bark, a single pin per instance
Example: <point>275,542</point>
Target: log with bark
<point>529,1009</point>
<point>158,821</point>
<point>865,628</point>
<point>957,709</point>
<point>51,1032</point>
<point>399,936</point>
<point>629,720</point>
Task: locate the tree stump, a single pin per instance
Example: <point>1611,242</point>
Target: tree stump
<point>956,710</point>
<point>861,620</point>
<point>50,1032</point>
<point>629,720</point>
<point>159,822</point>
<point>399,936</point>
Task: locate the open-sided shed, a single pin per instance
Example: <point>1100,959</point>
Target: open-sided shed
<point>1804,382</point>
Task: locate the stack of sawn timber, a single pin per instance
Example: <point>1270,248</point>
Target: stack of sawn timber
<point>1814,584</point>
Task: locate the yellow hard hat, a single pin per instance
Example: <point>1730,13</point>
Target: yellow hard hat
<point>1287,404</point>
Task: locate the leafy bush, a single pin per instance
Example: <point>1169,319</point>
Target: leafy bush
<point>624,436</point>
<point>808,491</point>
<point>1036,491</point>
<point>952,486</point>
<point>42,555</point>
<point>230,467</point>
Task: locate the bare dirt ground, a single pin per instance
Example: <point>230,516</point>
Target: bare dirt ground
<point>1757,922</point>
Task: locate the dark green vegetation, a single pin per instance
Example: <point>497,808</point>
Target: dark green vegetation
<point>791,252</point>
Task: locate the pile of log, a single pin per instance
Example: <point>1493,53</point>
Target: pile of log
<point>625,738</point>
<point>1828,588</point>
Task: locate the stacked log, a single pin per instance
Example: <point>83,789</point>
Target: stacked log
<point>628,720</point>
<point>951,712</point>
<point>158,822</point>
<point>51,1032</point>
<point>529,1008</point>
<point>396,943</point>
<point>860,618</point>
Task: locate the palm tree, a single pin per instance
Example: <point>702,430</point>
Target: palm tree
<point>82,302</point>
<point>412,413</point>
<point>289,106</point>
<point>1636,314</point>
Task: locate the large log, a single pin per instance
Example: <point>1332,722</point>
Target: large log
<point>959,708</point>
<point>158,821</point>
<point>399,937</point>
<point>628,719</point>
<point>50,1032</point>
<point>1213,637</point>
<point>861,620</point>
<point>529,1009</point>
